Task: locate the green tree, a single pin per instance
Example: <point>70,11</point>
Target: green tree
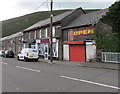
<point>112,18</point>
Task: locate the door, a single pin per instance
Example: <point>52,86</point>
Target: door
<point>46,51</point>
<point>65,52</point>
<point>90,52</point>
<point>77,53</point>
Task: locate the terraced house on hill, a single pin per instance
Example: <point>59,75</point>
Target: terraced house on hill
<point>39,34</point>
<point>73,33</point>
<point>12,42</point>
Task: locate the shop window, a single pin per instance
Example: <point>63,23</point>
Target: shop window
<point>55,50</point>
<point>41,49</point>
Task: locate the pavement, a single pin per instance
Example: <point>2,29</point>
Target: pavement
<point>112,66</point>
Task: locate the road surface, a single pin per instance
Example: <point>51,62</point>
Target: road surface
<point>20,76</point>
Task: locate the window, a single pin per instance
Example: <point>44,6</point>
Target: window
<point>40,34</point>
<point>53,31</point>
<point>19,38</point>
<point>46,32</point>
<point>33,46</point>
<point>41,49</point>
<point>27,45</point>
<point>19,48</point>
<point>35,35</point>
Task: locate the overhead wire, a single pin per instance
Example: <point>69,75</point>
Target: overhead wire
<point>48,7</point>
<point>40,5</point>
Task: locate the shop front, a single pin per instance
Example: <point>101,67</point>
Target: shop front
<point>43,46</point>
<point>77,51</point>
<point>80,45</point>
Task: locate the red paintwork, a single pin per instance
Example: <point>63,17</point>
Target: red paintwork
<point>77,53</point>
<point>76,42</point>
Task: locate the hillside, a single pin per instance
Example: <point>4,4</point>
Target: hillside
<point>90,10</point>
<point>18,24</point>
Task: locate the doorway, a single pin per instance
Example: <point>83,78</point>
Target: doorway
<point>46,51</point>
<point>77,53</point>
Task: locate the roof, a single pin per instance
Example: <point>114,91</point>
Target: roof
<point>86,19</point>
<point>57,18</point>
<point>12,36</point>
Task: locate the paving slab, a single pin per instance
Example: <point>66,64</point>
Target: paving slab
<point>112,66</point>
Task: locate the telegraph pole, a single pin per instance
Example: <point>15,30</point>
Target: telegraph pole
<point>51,36</point>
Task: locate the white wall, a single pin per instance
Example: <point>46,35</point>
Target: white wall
<point>65,52</point>
<point>90,51</point>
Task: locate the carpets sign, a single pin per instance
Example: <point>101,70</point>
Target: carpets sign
<point>42,41</point>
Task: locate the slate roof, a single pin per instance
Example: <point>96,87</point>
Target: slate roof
<point>47,21</point>
<point>12,36</point>
<point>86,19</point>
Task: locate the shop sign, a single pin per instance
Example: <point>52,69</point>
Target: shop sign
<point>45,41</point>
<point>88,40</point>
<point>42,41</point>
<point>83,32</point>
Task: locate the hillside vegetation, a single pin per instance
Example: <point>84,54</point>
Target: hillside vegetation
<point>18,24</point>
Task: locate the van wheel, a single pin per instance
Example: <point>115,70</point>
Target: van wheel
<point>25,59</point>
<point>5,56</point>
<point>18,58</point>
<point>36,60</point>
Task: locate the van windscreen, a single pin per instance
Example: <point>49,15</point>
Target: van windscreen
<point>34,50</point>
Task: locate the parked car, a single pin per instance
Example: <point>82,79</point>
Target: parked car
<point>28,54</point>
<point>2,52</point>
<point>3,55</point>
<point>9,53</point>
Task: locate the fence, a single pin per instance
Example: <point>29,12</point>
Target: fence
<point>111,57</point>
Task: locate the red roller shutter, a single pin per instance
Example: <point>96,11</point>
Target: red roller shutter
<point>77,53</point>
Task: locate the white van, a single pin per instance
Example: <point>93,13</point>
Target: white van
<point>28,54</point>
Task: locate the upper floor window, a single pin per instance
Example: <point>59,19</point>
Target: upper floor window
<point>46,33</point>
<point>35,35</point>
<point>53,31</point>
<point>40,34</point>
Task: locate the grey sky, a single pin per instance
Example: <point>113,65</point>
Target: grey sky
<point>67,5</point>
<point>16,8</point>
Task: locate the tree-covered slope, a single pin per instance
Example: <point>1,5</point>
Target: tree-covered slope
<point>18,24</point>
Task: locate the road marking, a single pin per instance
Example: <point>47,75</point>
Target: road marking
<point>86,81</point>
<point>28,69</point>
<point>17,89</point>
<point>4,63</point>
